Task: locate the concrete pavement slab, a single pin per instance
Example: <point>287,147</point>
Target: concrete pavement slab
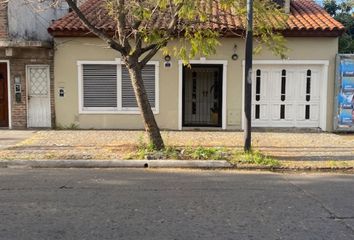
<point>10,138</point>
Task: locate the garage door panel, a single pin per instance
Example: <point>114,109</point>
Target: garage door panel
<point>289,112</point>
<point>274,86</point>
<point>291,84</point>
<point>261,78</point>
<point>283,112</point>
<point>301,112</point>
<point>260,111</point>
<point>275,110</point>
<point>264,110</point>
<point>314,112</point>
<point>301,85</point>
<point>289,96</point>
<point>315,85</point>
<point>265,82</point>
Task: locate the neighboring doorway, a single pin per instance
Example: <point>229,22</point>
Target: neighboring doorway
<point>202,95</point>
<point>4,104</point>
<point>38,93</point>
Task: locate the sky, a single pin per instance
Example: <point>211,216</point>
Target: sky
<point>319,1</point>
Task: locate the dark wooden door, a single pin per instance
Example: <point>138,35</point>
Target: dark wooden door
<point>4,111</point>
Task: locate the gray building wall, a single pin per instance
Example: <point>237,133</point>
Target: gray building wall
<point>30,21</point>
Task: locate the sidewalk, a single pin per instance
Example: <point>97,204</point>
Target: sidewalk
<point>292,149</point>
<point>10,138</point>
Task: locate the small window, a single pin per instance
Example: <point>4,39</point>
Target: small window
<point>307,112</point>
<point>283,85</point>
<point>308,85</point>
<point>258,85</point>
<point>257,113</point>
<point>99,86</point>
<point>282,111</point>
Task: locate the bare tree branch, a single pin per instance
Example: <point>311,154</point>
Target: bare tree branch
<point>148,48</point>
<point>152,53</point>
<point>121,25</point>
<point>169,32</point>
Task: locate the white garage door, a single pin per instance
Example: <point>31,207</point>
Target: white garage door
<point>286,96</point>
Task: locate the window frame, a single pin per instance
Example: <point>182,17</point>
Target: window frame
<point>119,109</point>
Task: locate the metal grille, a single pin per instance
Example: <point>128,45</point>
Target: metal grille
<point>202,96</point>
<point>128,95</point>
<point>100,85</point>
<point>38,77</point>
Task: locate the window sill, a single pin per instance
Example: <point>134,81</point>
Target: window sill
<point>122,112</point>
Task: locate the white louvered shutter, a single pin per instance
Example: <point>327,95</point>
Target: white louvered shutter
<point>128,96</point>
<point>99,86</point>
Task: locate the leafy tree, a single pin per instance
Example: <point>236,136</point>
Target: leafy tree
<point>138,40</point>
<point>343,12</point>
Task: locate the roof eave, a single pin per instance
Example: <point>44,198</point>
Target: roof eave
<point>236,33</point>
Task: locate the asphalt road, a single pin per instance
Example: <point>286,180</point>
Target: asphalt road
<point>174,204</point>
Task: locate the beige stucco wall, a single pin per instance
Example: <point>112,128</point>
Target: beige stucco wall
<point>70,50</point>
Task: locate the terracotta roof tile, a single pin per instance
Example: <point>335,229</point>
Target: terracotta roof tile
<point>305,16</point>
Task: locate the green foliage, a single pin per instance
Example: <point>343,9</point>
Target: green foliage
<point>193,39</point>
<point>342,11</point>
<point>203,153</point>
<point>147,151</point>
<point>269,20</point>
<point>256,158</point>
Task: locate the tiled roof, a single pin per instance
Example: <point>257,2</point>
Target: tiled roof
<point>306,18</point>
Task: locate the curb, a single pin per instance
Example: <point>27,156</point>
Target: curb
<point>191,164</point>
<point>297,169</point>
<point>114,164</point>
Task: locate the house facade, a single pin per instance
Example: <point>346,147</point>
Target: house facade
<point>93,89</point>
<point>26,65</point>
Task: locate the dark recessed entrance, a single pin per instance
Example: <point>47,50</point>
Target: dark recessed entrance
<point>202,95</point>
<point>4,105</point>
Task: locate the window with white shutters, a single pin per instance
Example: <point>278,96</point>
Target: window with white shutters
<point>99,86</point>
<point>128,95</point>
<point>106,87</point>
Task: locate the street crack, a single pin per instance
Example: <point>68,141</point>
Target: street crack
<point>332,214</point>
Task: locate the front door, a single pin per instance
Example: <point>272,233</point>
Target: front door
<point>4,107</point>
<point>202,95</point>
<point>38,81</point>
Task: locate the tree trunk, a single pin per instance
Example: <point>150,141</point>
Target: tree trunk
<point>145,108</point>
